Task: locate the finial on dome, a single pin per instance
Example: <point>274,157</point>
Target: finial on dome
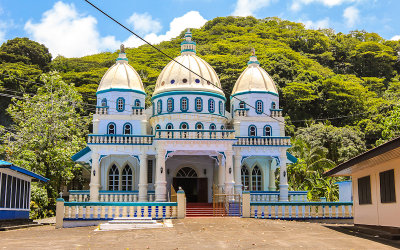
<point>253,58</point>
<point>253,51</point>
<point>188,45</point>
<point>122,48</point>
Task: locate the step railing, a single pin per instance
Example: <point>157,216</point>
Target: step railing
<point>120,139</point>
<point>263,141</point>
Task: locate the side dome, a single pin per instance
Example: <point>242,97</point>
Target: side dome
<point>121,76</point>
<point>254,79</point>
<point>175,77</point>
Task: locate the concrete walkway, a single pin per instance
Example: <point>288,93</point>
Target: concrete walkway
<point>193,233</point>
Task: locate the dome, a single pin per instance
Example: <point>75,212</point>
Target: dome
<point>254,79</point>
<point>175,77</point>
<point>121,76</point>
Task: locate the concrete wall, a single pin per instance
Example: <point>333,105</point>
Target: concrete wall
<point>377,213</point>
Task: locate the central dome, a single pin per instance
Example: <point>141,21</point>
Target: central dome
<point>175,77</point>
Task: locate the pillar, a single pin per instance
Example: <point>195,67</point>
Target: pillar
<point>229,182</point>
<point>143,178</point>
<point>59,213</point>
<point>221,174</point>
<point>95,178</point>
<point>246,209</point>
<point>238,173</point>
<point>181,199</point>
<point>272,167</point>
<point>160,183</point>
<point>283,184</point>
<point>144,126</point>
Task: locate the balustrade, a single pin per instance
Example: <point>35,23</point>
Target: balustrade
<point>271,196</point>
<point>263,141</point>
<point>195,134</point>
<point>241,112</point>
<point>100,110</point>
<point>276,112</point>
<point>120,139</point>
<point>137,111</point>
<point>109,196</point>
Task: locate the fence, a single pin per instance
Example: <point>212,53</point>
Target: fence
<point>109,196</point>
<point>273,196</point>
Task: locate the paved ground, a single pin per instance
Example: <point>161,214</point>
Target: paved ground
<point>193,233</point>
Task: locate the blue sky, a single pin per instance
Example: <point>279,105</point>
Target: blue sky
<point>73,28</point>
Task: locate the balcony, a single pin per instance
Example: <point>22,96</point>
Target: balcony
<point>121,139</point>
<point>263,141</point>
<point>137,111</point>
<point>241,112</point>
<point>276,112</point>
<point>185,134</point>
<point>101,110</point>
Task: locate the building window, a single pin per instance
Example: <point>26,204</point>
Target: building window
<point>252,130</point>
<point>120,104</point>
<point>158,127</point>
<point>113,178</point>
<point>127,129</point>
<point>169,126</point>
<point>364,190</point>
<point>170,105</point>
<point>186,172</point>
<point>127,178</point>
<point>111,129</point>
<point>199,125</point>
<point>213,127</point>
<point>259,107</point>
<point>256,179</point>
<point>245,178</point>
<point>211,106</point>
<point>242,105</point>
<point>388,193</point>
<point>220,107</point>
<point>222,127</point>
<point>273,105</point>
<point>199,104</point>
<point>137,103</point>
<point>159,106</point>
<point>184,104</point>
<point>149,171</point>
<point>267,130</point>
<point>184,125</point>
<point>104,102</point>
<point>153,106</point>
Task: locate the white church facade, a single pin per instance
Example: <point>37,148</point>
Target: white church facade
<point>188,137</point>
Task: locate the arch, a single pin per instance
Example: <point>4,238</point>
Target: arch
<point>127,178</point>
<point>222,127</point>
<point>111,128</point>
<point>184,104</point>
<point>104,102</point>
<point>186,172</point>
<point>199,126</point>
<point>245,174</point>
<point>242,105</point>
<point>120,104</point>
<point>184,125</point>
<point>252,130</point>
<point>221,108</point>
<point>211,105</point>
<point>137,103</point>
<point>267,130</point>
<point>159,106</point>
<point>127,128</point>
<point>213,126</point>
<point>170,104</point>
<point>199,104</point>
<point>273,105</point>
<point>259,107</point>
<point>169,126</point>
<point>256,179</point>
<point>113,178</point>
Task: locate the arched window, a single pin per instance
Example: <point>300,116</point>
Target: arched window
<point>252,130</point>
<point>259,107</point>
<point>169,126</point>
<point>159,106</point>
<point>256,179</point>
<point>222,127</point>
<point>127,178</point>
<point>199,104</point>
<point>211,105</point>
<point>199,125</point>
<point>221,107</point>
<point>111,130</point>
<point>213,127</point>
<point>170,105</point>
<point>245,178</point>
<point>184,104</point>
<point>120,104</point>
<point>154,105</point>
<point>273,105</point>
<point>184,125</point>
<point>137,103</point>
<point>127,129</point>
<point>104,102</point>
<point>113,178</point>
<point>186,172</point>
<point>267,130</point>
<point>242,105</point>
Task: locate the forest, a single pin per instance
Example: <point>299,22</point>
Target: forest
<point>339,93</point>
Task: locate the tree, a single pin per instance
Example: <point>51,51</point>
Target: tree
<point>47,130</point>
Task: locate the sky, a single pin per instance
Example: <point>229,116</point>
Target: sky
<point>73,28</point>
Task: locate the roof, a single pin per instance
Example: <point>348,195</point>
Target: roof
<point>76,157</point>
<point>384,152</point>
<point>9,165</point>
<point>290,157</point>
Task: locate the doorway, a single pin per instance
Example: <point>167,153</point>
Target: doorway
<point>195,188</point>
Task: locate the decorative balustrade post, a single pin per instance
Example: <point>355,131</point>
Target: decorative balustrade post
<point>161,183</point>
<point>59,213</point>
<point>143,178</point>
<point>246,204</point>
<point>283,185</point>
<point>181,199</point>
<point>95,178</point>
<point>237,167</point>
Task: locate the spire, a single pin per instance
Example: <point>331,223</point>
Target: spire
<point>188,46</point>
<point>122,55</point>
<point>253,58</point>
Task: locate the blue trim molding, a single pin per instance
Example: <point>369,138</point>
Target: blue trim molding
<point>108,128</point>
<point>259,102</point>
<point>211,105</point>
<point>250,126</point>
<point>137,103</point>
<point>81,153</point>
<point>172,126</point>
<point>201,104</point>
<point>121,90</point>
<point>270,130</point>
<point>187,125</point>
<point>159,106</point>
<point>254,92</point>
<point>199,123</point>
<point>197,93</point>
<point>187,104</point>
<point>170,101</point>
<point>213,124</point>
<point>130,128</point>
<point>123,104</point>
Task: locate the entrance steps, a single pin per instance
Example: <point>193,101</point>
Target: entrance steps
<point>200,210</point>
<point>126,223</point>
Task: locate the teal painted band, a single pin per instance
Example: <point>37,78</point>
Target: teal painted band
<point>181,192</point>
<point>122,59</point>
<point>188,50</point>
<point>121,204</point>
<point>250,62</point>
<point>185,112</point>
<point>118,192</point>
<point>60,199</point>
<point>276,109</point>
<point>109,135</point>
<point>137,108</point>
<point>265,137</point>
<point>246,192</point>
<point>81,153</point>
<point>186,42</point>
<point>79,191</point>
<point>180,92</point>
<point>194,139</point>
<point>277,192</point>
<point>121,90</point>
<point>289,203</point>
<point>106,107</point>
<point>255,92</point>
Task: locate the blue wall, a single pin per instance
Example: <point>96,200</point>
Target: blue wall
<point>13,214</point>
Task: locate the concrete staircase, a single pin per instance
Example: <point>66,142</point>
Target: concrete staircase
<point>200,210</point>
<point>127,223</point>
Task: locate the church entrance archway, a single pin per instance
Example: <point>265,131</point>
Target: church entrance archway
<point>195,187</point>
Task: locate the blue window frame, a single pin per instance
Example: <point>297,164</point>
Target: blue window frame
<point>267,130</point>
<point>212,126</point>
<point>199,126</point>
<point>111,129</point>
<point>120,104</point>
<point>158,126</point>
<point>104,102</point>
<point>184,125</point>
<point>222,127</point>
<point>199,104</point>
<point>259,107</point>
<point>252,130</point>
<point>154,107</point>
<point>273,105</point>
<point>242,105</point>
<point>127,128</point>
<point>137,103</point>
<point>170,104</point>
<point>169,126</point>
<point>221,108</point>
<point>184,104</point>
<point>159,106</point>
<point>211,105</point>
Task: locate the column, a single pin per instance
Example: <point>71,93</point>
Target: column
<point>238,173</point>
<point>229,182</point>
<point>160,183</point>
<point>95,177</point>
<point>283,184</point>
<point>143,178</point>
<point>272,167</point>
<point>221,173</point>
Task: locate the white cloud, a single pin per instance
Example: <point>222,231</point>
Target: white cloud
<point>320,24</point>
<point>351,15</point>
<point>248,7</point>
<point>395,38</point>
<point>298,4</point>
<point>144,23</point>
